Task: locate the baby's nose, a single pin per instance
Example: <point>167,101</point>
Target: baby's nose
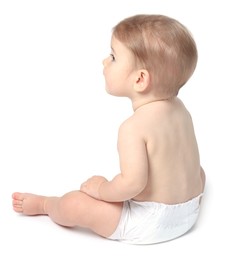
<point>104,62</point>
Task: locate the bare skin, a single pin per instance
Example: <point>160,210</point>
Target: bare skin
<point>73,209</point>
<point>159,158</point>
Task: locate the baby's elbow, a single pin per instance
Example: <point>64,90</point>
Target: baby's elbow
<point>137,187</point>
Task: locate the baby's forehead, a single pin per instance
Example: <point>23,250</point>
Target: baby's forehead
<point>114,40</point>
<point>117,45</point>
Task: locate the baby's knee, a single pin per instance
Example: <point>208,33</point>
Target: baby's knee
<point>71,205</point>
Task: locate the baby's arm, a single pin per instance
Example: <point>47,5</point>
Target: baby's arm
<point>133,164</point>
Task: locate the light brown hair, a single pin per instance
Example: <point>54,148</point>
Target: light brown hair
<point>161,45</point>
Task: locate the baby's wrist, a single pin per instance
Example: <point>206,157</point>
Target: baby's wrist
<point>99,190</point>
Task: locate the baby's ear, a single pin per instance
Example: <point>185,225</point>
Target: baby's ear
<point>142,81</point>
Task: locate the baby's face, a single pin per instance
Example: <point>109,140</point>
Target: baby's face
<point>119,70</point>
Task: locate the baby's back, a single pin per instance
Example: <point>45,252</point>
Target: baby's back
<point>173,157</point>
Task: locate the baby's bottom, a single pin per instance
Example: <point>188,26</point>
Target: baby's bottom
<point>73,209</point>
<point>153,222</point>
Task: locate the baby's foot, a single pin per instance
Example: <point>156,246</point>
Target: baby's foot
<point>28,204</point>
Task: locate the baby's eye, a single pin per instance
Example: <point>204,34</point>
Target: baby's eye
<point>112,57</point>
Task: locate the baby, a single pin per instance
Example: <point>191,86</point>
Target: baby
<point>156,196</point>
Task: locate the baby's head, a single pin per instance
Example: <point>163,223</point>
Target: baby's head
<point>162,46</point>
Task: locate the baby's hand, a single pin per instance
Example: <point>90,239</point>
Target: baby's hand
<point>92,185</point>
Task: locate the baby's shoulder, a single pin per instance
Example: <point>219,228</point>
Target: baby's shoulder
<point>133,127</point>
<point>128,124</point>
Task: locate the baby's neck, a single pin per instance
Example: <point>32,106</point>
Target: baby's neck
<point>141,103</point>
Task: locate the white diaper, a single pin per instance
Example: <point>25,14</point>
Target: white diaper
<point>152,222</point>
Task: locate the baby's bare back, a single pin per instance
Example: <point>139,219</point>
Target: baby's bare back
<point>173,156</point>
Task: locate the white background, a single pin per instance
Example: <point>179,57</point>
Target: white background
<point>58,126</point>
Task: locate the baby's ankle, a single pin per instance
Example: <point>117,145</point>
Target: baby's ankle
<point>44,206</point>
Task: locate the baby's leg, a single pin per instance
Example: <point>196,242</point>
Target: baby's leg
<point>73,209</point>
<point>203,177</point>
